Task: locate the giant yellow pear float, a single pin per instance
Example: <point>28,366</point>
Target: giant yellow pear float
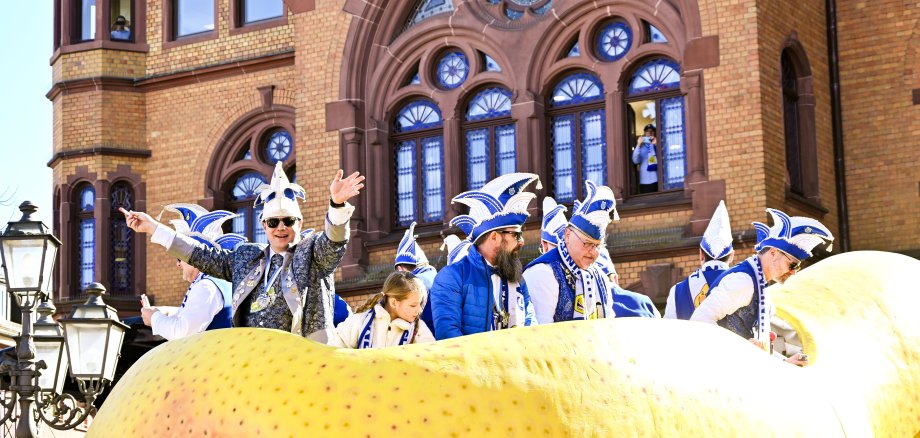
<point>856,313</point>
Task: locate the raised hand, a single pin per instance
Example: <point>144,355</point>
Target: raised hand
<point>343,189</point>
<point>139,221</point>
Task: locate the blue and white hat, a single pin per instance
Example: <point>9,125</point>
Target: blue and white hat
<point>797,236</point>
<point>279,198</point>
<point>717,240</point>
<point>408,252</point>
<point>456,248</point>
<point>553,221</point>
<point>501,203</point>
<point>593,215</point>
<point>204,226</point>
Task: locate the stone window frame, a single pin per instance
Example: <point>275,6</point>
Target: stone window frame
<point>489,123</point>
<point>66,288</point>
<point>65,14</point>
<point>170,22</point>
<point>247,132</point>
<point>372,55</point>
<point>794,52</point>
<point>239,26</point>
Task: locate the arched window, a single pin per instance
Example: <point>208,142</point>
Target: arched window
<point>122,240</point>
<point>578,133</point>
<point>791,124</point>
<point>798,95</point>
<point>418,141</point>
<point>489,132</point>
<point>242,195</point>
<point>653,98</point>
<point>86,236</point>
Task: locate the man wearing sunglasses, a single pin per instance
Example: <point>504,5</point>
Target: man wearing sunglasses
<point>484,290</point>
<point>738,300</point>
<point>565,282</point>
<point>285,285</point>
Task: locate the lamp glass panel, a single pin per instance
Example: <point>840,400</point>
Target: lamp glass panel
<point>116,336</point>
<point>86,346</point>
<point>23,259</point>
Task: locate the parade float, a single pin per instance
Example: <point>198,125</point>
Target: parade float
<point>855,314</point>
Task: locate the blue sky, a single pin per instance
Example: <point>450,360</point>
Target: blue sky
<point>25,113</point>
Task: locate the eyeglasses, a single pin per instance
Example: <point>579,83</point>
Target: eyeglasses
<point>794,265</point>
<point>273,222</point>
<point>588,245</point>
<point>518,235</point>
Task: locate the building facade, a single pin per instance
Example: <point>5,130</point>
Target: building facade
<point>195,102</point>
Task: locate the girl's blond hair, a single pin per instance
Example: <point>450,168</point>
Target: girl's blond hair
<point>399,285</point>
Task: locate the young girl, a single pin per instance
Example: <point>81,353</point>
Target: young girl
<point>388,318</point>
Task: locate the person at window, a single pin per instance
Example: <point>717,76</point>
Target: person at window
<point>120,30</point>
<point>566,283</point>
<point>626,303</point>
<point>716,254</point>
<point>645,157</point>
<point>389,318</point>
<point>206,305</point>
<point>411,258</point>
<point>288,284</point>
<point>738,301</point>
<point>484,290</point>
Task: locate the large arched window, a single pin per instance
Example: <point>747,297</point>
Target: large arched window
<point>85,267</point>
<point>122,248</point>
<point>242,195</point>
<point>489,134</point>
<point>799,123</point>
<point>578,133</point>
<point>791,124</point>
<point>418,141</point>
<point>654,98</point>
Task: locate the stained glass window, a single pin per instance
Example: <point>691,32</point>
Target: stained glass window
<point>574,51</point>
<point>655,75</point>
<point>453,68</point>
<point>490,143</point>
<point>614,41</point>
<point>490,64</point>
<point>242,196</point>
<point>655,35</point>
<point>418,149</point>
<point>578,135</point>
<point>86,237</point>
<point>577,88</point>
<point>122,240</point>
<point>427,9</point>
<point>673,146</point>
<point>489,103</point>
<point>279,146</point>
<point>563,136</point>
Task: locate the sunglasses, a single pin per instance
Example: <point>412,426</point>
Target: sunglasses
<point>794,265</point>
<point>518,235</point>
<point>273,222</point>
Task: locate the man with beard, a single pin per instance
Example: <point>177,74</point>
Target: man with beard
<point>738,300</point>
<point>484,290</point>
<point>566,283</point>
<point>288,284</point>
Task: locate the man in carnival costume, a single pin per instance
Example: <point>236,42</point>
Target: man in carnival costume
<point>286,285</point>
<point>553,224</point>
<point>484,290</point>
<point>738,300</point>
<point>566,283</point>
<point>206,305</point>
<point>716,254</point>
<point>411,258</point>
<point>626,303</point>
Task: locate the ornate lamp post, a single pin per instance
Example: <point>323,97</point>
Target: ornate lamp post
<point>92,334</point>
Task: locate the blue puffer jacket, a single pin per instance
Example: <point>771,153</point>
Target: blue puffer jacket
<point>461,298</point>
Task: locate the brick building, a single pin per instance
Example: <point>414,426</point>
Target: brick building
<point>195,101</point>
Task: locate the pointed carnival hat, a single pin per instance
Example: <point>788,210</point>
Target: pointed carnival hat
<point>408,252</point>
<point>279,197</point>
<point>593,215</point>
<point>717,240</point>
<point>205,226</point>
<point>501,203</point>
<point>456,248</point>
<point>553,221</point>
<point>797,236</point>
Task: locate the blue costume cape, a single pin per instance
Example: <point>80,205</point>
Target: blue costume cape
<point>461,298</point>
<point>683,302</point>
<point>632,304</point>
<point>223,319</point>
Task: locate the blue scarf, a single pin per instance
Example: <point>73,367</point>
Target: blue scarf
<point>366,337</point>
<point>590,289</point>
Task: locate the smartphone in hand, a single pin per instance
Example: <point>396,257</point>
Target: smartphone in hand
<point>144,301</point>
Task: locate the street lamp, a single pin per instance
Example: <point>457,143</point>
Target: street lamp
<point>92,334</point>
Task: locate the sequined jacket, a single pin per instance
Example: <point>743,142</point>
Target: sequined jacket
<point>307,281</point>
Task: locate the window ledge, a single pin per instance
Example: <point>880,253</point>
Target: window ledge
<point>191,39</point>
<point>657,203</point>
<point>812,206</point>
<point>125,46</point>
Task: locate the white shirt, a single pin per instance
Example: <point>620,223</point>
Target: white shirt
<point>384,332</point>
<point>697,283</point>
<point>202,301</point>
<point>734,292</point>
<point>544,292</point>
